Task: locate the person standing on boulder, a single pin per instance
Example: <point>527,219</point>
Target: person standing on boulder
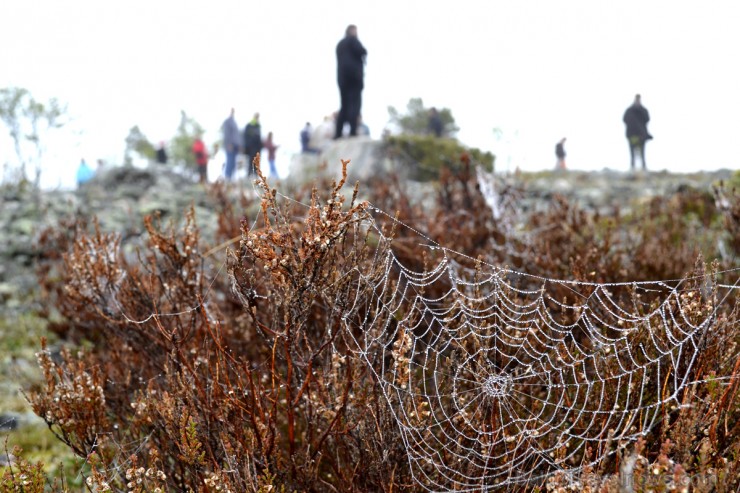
<point>231,145</point>
<point>636,118</point>
<point>252,141</point>
<point>350,77</point>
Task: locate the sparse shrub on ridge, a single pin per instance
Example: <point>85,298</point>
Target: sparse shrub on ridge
<point>425,157</point>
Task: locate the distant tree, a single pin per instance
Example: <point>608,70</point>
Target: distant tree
<point>415,121</point>
<point>137,142</point>
<point>29,121</point>
<point>11,103</point>
<point>182,144</point>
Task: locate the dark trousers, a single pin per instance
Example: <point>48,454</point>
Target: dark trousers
<point>637,148</point>
<point>203,173</point>
<point>351,95</point>
<point>251,153</point>
<point>230,166</point>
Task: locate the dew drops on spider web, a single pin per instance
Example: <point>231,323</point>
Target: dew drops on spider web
<point>492,397</point>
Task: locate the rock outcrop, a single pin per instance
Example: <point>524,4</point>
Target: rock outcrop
<point>120,197</point>
<point>366,158</point>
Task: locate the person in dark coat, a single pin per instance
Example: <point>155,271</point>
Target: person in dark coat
<point>436,126</point>
<point>636,118</point>
<point>252,141</point>
<point>350,77</point>
<point>306,140</point>
<point>161,154</point>
<point>560,154</point>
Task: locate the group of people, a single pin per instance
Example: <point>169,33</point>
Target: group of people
<point>350,79</point>
<point>635,118</point>
<point>351,56</point>
<point>249,142</point>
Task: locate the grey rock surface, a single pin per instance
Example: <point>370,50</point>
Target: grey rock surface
<point>366,156</point>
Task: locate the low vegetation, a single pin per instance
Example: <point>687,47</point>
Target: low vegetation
<point>194,367</point>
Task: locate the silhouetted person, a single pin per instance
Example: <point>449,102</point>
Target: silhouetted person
<point>636,118</point>
<point>252,141</point>
<point>350,77</point>
<point>231,144</point>
<point>161,154</point>
<point>560,154</point>
<point>435,122</point>
<point>306,140</point>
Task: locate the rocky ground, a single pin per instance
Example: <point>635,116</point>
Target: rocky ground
<point>120,197</point>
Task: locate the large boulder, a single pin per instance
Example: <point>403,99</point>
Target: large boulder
<point>367,160</point>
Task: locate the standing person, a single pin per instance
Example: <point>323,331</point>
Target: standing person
<point>636,118</point>
<point>350,74</point>
<point>201,159</point>
<point>306,138</point>
<point>560,154</point>
<point>435,122</point>
<point>271,148</point>
<point>252,141</point>
<point>231,145</point>
<point>84,173</point>
<point>161,154</point>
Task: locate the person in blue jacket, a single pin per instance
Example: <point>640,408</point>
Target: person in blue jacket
<point>231,144</point>
<point>84,173</point>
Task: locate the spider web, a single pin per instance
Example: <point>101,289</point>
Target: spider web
<point>495,377</point>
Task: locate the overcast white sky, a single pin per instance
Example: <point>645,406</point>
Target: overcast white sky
<point>538,70</point>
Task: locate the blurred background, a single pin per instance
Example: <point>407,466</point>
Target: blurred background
<point>517,76</point>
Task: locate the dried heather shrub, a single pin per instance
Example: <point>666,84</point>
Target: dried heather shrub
<point>191,380</point>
